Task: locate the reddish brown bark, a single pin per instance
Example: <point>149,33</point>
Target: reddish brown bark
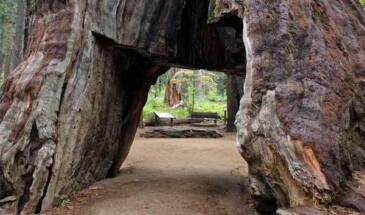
<point>304,84</point>
<point>69,111</point>
<point>172,94</point>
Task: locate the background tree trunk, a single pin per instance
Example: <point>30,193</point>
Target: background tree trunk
<point>18,46</point>
<point>234,95</point>
<point>1,64</point>
<point>7,54</point>
<point>1,46</point>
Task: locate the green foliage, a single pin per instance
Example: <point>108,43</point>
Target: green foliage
<point>8,11</point>
<point>362,2</point>
<point>65,201</point>
<point>7,18</point>
<point>7,32</point>
<point>211,106</point>
<point>201,92</point>
<point>157,105</point>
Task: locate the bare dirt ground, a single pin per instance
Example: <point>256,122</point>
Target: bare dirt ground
<point>171,177</point>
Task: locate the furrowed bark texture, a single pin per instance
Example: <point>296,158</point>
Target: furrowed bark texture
<point>301,120</point>
<point>69,111</point>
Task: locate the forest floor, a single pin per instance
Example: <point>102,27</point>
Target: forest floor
<point>171,176</point>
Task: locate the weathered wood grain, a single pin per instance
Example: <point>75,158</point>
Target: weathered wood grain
<point>69,111</point>
<point>300,126</point>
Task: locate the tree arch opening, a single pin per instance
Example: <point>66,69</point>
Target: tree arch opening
<point>70,109</point>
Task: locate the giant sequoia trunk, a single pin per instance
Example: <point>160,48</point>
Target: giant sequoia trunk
<point>301,120</point>
<point>69,111</point>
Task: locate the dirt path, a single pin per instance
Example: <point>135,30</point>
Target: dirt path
<point>171,176</point>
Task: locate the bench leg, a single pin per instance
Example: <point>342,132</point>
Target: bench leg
<point>156,121</point>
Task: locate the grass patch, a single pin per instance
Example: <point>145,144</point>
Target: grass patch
<point>157,105</point>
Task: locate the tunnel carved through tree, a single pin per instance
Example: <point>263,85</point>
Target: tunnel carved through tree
<point>69,111</point>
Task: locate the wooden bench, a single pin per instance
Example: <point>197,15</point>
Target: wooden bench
<point>164,116</point>
<point>206,116</point>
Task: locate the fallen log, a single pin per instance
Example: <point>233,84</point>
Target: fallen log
<point>176,122</point>
<point>167,132</point>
